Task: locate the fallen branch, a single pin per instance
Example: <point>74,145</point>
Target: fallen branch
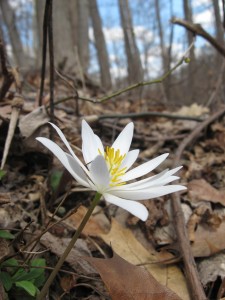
<point>194,283</point>
<point>149,114</point>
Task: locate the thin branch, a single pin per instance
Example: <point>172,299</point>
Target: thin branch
<point>191,272</point>
<point>197,29</point>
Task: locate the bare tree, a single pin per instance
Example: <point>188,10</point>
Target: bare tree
<point>134,66</point>
<point>10,22</point>
<point>191,67</point>
<point>164,52</point>
<point>83,40</point>
<point>64,42</point>
<point>100,44</point>
<point>218,22</point>
<point>38,30</point>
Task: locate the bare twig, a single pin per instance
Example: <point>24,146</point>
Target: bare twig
<point>197,29</point>
<point>194,283</point>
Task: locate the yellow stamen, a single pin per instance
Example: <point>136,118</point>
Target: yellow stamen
<point>114,160</point>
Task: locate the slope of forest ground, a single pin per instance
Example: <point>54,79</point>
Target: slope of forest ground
<point>41,205</point>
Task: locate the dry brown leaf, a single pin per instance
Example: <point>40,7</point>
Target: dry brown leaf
<point>5,111</point>
<point>68,282</point>
<point>193,110</point>
<point>202,214</point>
<point>97,223</point>
<point>5,198</point>
<point>208,241</point>
<point>200,189</point>
<point>4,249</point>
<point>129,282</point>
<point>30,122</point>
<point>128,247</point>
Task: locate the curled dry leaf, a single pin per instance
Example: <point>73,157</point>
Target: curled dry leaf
<point>200,189</point>
<point>126,281</point>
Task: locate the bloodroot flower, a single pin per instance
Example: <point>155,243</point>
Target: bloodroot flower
<point>108,171</point>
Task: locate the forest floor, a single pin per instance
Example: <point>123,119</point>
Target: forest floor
<point>41,205</point>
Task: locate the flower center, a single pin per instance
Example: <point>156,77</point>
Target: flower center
<point>114,160</point>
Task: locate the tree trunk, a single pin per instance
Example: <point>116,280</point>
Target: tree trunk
<point>83,41</point>
<point>66,57</point>
<point>38,30</point>
<point>219,32</point>
<point>164,53</point>
<point>100,44</point>
<point>9,20</point>
<point>192,64</point>
<point>134,66</point>
<point>218,22</point>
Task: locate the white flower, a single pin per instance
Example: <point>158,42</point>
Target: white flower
<point>108,171</point>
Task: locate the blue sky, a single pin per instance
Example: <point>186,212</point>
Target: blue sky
<point>145,28</point>
<point>146,31</point>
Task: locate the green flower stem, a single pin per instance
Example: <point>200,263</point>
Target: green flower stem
<point>69,247</point>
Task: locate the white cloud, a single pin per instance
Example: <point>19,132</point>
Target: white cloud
<point>118,72</point>
<point>199,3</point>
<point>204,18</point>
<point>113,34</point>
<point>143,33</point>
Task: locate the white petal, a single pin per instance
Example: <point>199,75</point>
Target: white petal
<point>145,168</point>
<point>63,138</point>
<point>62,157</point>
<point>99,173</point>
<point>91,143</point>
<point>124,139</point>
<point>144,194</point>
<point>129,159</point>
<point>77,171</point>
<point>135,208</point>
<point>154,183</point>
<point>162,178</point>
